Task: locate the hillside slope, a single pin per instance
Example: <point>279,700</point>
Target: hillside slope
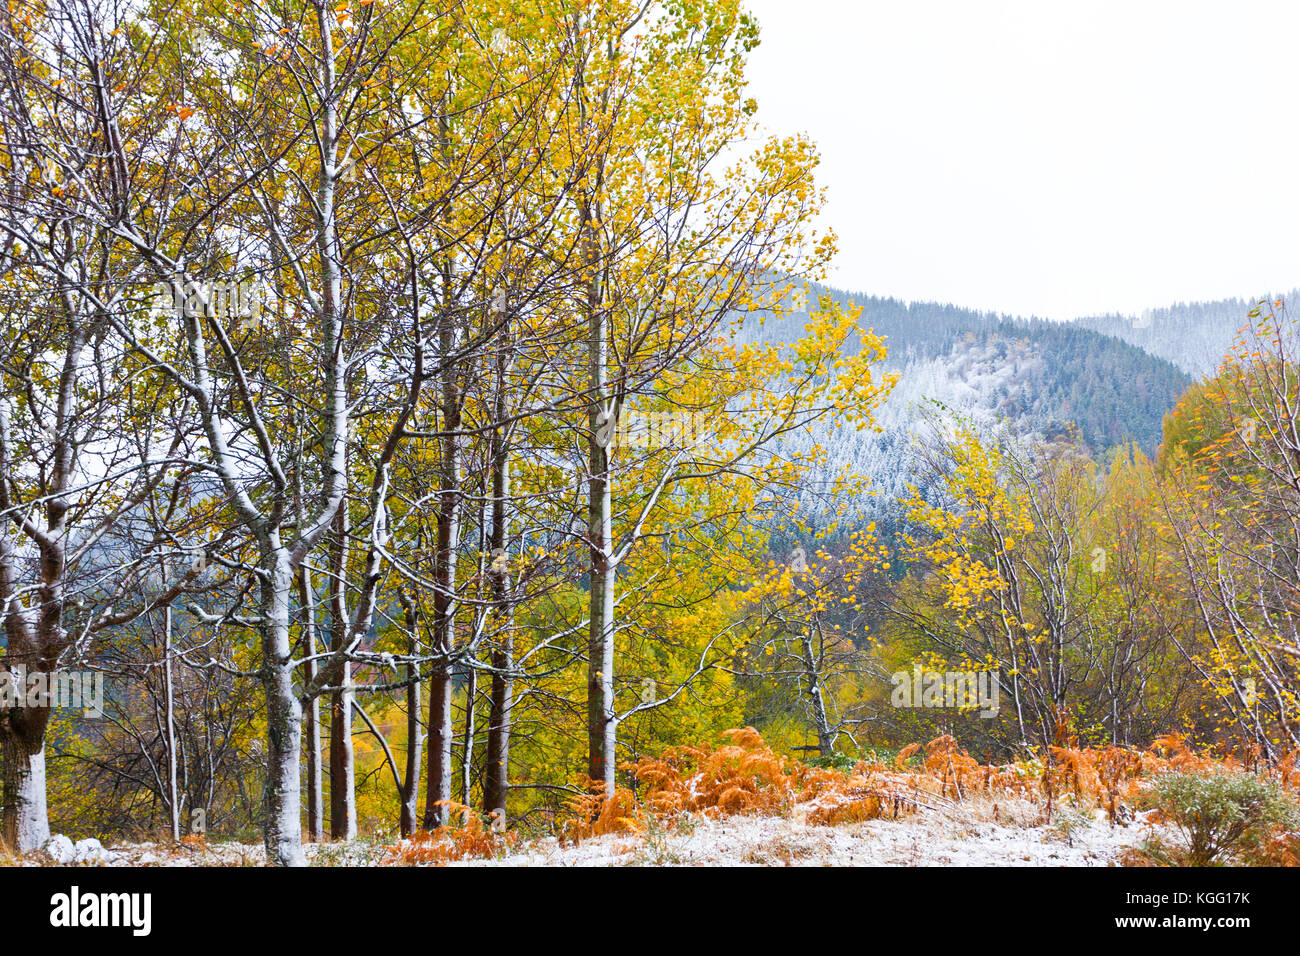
<point>1195,336</point>
<point>1029,376</point>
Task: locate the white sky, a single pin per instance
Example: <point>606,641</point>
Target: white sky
<point>1047,157</point>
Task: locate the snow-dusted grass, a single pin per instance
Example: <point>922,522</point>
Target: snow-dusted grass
<point>979,833</point>
<point>926,839</point>
<point>357,853</point>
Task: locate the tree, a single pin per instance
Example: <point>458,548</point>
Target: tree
<point>79,443</point>
<point>1232,502</point>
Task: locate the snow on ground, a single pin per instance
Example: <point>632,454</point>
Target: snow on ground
<point>778,841</point>
<point>928,839</point>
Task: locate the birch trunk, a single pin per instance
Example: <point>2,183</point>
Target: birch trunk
<point>36,636</point>
<point>411,775</point>
<point>444,604</point>
<point>496,772</point>
<point>601,726</point>
<point>343,805</point>
<point>283,822</point>
<point>825,739</point>
<point>315,788</point>
<point>467,741</point>
<point>169,702</point>
<point>26,820</point>
<point>438,791</point>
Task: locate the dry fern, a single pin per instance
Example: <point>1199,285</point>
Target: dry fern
<point>742,775</point>
<point>594,815</point>
<point>470,840</point>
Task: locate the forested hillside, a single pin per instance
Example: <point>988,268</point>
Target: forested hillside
<point>1032,377</point>
<point>1195,336</point>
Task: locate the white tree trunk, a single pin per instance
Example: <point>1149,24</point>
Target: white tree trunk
<point>283,718</point>
<point>315,789</point>
<point>169,702</point>
<point>26,819</point>
<point>601,725</point>
<point>811,662</point>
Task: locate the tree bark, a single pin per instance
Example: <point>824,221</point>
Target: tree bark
<point>812,668</point>
<point>315,788</point>
<point>438,792</point>
<point>411,774</point>
<point>22,755</point>
<point>169,702</point>
<point>467,739</point>
<point>343,805</point>
<point>496,773</point>
<point>444,603</point>
<point>283,717</point>
<point>601,422</point>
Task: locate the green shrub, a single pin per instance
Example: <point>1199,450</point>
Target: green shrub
<point>834,761</point>
<point>1069,818</point>
<point>1220,814</point>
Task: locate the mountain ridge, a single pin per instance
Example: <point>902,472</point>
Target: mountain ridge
<point>1103,381</point>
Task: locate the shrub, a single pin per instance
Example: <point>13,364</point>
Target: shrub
<point>473,838</point>
<point>1223,813</point>
<point>834,761</point>
<point>1068,819</point>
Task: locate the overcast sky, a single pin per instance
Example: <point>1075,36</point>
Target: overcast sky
<point>1047,157</point>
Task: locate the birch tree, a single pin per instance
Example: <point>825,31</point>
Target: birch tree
<point>75,457</point>
<point>674,241</point>
<point>235,162</point>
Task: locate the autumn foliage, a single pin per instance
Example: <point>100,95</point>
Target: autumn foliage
<point>742,775</point>
<point>467,836</point>
<point>745,776</point>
